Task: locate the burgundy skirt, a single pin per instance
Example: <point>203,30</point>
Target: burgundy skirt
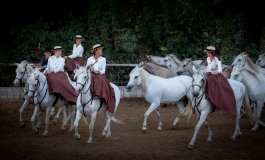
<point>70,64</point>
<point>58,83</point>
<point>100,86</point>
<point>220,93</point>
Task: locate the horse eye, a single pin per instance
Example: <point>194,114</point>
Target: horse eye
<point>165,60</point>
<point>239,60</point>
<point>135,77</point>
<point>184,65</point>
<point>85,77</point>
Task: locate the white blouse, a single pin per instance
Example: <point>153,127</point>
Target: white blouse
<point>100,65</point>
<point>55,64</point>
<point>214,66</point>
<point>77,51</point>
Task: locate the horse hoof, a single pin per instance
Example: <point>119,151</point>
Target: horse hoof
<point>77,137</point>
<point>233,138</point>
<point>190,146</point>
<point>36,131</point>
<point>22,125</point>
<point>44,135</point>
<point>143,131</point>
<point>63,128</point>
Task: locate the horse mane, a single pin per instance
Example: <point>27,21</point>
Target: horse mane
<point>175,59</point>
<point>251,64</point>
<point>253,72</point>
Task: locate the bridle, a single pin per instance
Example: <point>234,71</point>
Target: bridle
<point>33,91</point>
<point>83,93</point>
<point>20,79</point>
<point>24,73</point>
<point>199,98</point>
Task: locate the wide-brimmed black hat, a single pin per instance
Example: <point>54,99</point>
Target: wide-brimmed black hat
<point>48,49</point>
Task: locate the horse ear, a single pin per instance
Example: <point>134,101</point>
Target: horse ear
<point>77,66</point>
<point>194,69</point>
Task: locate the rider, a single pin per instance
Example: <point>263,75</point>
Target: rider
<point>218,89</point>
<point>76,57</point>
<point>100,85</point>
<point>58,81</point>
<point>44,60</point>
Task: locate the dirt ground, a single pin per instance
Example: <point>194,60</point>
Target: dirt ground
<point>127,140</point>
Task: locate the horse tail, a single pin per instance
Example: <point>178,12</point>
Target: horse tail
<point>187,113</point>
<point>249,113</point>
<point>116,120</point>
<point>85,120</point>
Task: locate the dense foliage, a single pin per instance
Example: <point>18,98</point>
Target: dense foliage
<point>133,28</point>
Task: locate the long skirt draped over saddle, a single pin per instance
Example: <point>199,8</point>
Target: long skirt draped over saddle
<point>70,64</point>
<point>100,86</point>
<point>220,93</point>
<point>59,84</point>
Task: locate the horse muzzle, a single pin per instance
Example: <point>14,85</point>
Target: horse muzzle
<point>129,88</point>
<point>195,94</point>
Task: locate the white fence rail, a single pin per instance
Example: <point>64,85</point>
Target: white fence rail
<point>16,92</point>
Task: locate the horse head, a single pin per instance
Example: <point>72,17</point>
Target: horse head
<point>36,81</point>
<point>261,60</point>
<point>185,66</point>
<point>240,60</point>
<point>198,82</point>
<point>135,78</point>
<point>82,76</point>
<point>22,72</point>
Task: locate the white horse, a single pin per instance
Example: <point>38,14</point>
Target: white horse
<point>87,104</point>
<point>255,85</point>
<point>261,60</point>
<point>24,69</point>
<point>160,90</point>
<point>203,107</point>
<point>244,61</point>
<point>39,92</point>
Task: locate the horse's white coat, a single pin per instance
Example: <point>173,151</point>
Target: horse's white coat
<point>203,107</point>
<point>255,86</point>
<point>88,105</point>
<point>39,92</point>
<point>159,90</point>
<point>261,60</point>
<point>243,60</point>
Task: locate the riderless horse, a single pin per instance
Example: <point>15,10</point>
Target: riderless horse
<point>243,60</point>
<point>261,60</point>
<point>159,90</point>
<point>255,86</point>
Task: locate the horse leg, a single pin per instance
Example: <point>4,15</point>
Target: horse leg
<point>72,118</point>
<point>21,111</point>
<point>36,111</point>
<point>47,119</point>
<point>52,111</point>
<point>237,127</point>
<point>181,108</point>
<point>56,117</point>
<point>150,110</point>
<point>77,118</point>
<point>210,134</point>
<point>91,127</point>
<point>106,131</point>
<point>159,120</point>
<point>39,123</point>
<point>197,128</point>
<point>258,109</point>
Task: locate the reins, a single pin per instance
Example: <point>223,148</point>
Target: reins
<point>38,85</point>
<point>199,97</point>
